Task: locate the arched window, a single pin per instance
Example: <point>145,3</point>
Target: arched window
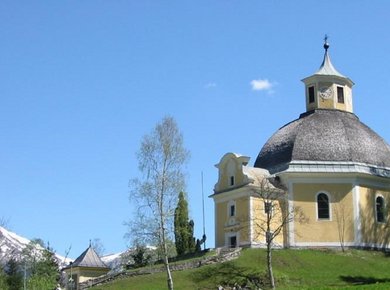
<point>380,209</point>
<point>323,206</point>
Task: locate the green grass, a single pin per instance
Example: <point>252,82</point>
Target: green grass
<point>294,269</point>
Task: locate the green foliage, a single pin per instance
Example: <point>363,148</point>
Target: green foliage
<point>14,276</point>
<point>46,270</point>
<point>140,256</point>
<point>42,266</point>
<point>197,246</point>
<point>40,283</point>
<point>184,228</point>
<point>294,269</point>
<point>3,282</point>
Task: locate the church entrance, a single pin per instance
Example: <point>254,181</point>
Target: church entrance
<point>233,242</point>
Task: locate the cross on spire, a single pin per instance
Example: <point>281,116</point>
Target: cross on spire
<point>326,44</point>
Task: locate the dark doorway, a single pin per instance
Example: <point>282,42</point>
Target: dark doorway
<point>233,242</point>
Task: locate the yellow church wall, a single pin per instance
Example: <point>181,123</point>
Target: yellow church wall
<point>308,228</point>
<point>243,218</point>
<point>81,275</point>
<point>374,233</point>
<point>220,221</point>
<point>260,219</point>
<point>232,224</point>
<point>326,103</point>
<point>90,273</point>
<point>235,171</point>
<point>340,106</point>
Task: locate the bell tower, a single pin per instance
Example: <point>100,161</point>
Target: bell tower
<point>327,88</point>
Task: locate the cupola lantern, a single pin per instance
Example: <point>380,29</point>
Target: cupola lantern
<point>327,88</point>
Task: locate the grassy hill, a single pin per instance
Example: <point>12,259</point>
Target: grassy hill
<point>294,269</point>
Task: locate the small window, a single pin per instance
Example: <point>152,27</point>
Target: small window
<point>311,95</point>
<point>340,95</point>
<point>380,209</point>
<point>231,180</point>
<point>267,207</point>
<point>323,206</point>
<point>232,210</point>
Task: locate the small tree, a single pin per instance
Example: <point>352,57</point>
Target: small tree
<point>3,279</point>
<point>47,268</point>
<point>41,266</point>
<point>342,218</point>
<point>140,256</point>
<point>160,159</point>
<point>184,228</point>
<point>98,247</point>
<point>14,275</point>
<point>276,215</point>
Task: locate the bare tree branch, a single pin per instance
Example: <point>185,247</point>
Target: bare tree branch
<point>160,160</point>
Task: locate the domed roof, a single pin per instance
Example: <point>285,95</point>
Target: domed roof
<point>324,135</point>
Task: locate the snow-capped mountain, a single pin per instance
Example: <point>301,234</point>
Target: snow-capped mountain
<point>114,261</point>
<point>12,245</point>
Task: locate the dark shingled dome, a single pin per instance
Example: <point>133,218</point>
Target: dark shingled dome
<point>324,135</point>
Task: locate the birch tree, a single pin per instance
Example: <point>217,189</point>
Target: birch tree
<point>273,216</point>
<point>161,160</point>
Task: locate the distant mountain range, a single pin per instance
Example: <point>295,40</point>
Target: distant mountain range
<point>12,245</point>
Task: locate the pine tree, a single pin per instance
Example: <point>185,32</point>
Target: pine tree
<point>3,279</point>
<point>42,266</point>
<point>45,274</point>
<point>14,276</point>
<point>184,229</point>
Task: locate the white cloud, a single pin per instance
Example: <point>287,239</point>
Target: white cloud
<point>262,85</point>
<point>210,85</point>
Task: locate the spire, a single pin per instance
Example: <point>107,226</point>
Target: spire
<point>326,67</point>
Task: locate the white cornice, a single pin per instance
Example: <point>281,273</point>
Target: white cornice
<point>244,191</point>
<point>337,167</point>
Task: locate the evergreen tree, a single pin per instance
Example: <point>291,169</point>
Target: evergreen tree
<point>45,274</point>
<point>184,229</point>
<point>14,275</point>
<point>3,279</point>
<point>140,256</point>
<point>191,238</point>
<point>42,266</point>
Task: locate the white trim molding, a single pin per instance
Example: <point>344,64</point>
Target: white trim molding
<point>229,235</point>
<point>356,213</point>
<point>251,217</point>
<point>291,225</point>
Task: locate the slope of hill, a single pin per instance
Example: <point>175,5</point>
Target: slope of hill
<point>294,269</point>
<point>12,245</point>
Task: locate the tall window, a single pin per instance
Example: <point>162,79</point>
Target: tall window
<point>380,209</point>
<point>268,207</point>
<point>231,180</point>
<point>232,210</point>
<point>311,94</point>
<point>340,95</point>
<point>323,206</point>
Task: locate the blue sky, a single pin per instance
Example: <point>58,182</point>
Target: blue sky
<point>82,81</point>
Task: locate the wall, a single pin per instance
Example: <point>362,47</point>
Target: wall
<point>311,231</point>
<point>373,233</point>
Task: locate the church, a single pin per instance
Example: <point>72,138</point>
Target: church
<point>322,180</point>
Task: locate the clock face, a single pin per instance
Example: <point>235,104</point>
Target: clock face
<point>326,92</point>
